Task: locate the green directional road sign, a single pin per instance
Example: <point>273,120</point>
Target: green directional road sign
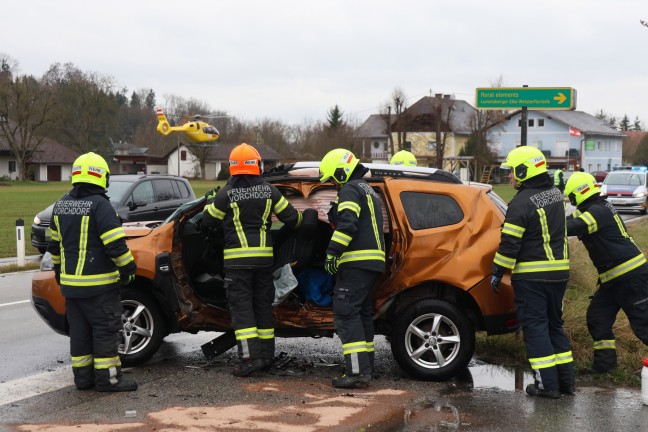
<point>534,98</point>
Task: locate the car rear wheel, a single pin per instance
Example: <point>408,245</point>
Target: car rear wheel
<point>432,340</point>
<point>143,327</point>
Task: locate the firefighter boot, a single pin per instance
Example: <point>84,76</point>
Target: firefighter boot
<point>533,390</point>
<point>84,377</point>
<point>122,385</point>
<point>247,366</point>
<point>352,381</point>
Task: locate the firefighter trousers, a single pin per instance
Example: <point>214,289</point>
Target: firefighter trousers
<point>250,293</point>
<point>631,295</point>
<point>539,311</point>
<point>353,318</point>
<point>95,324</point>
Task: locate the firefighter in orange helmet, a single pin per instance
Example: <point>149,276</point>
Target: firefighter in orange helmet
<point>242,208</point>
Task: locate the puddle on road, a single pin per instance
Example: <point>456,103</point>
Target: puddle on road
<point>482,375</point>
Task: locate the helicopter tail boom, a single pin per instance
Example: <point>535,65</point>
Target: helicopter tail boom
<point>163,124</point>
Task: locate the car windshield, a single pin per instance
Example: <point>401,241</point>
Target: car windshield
<point>625,179</point>
<point>117,189</point>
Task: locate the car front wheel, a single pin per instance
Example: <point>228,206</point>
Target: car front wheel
<point>432,340</point>
<point>143,327</point>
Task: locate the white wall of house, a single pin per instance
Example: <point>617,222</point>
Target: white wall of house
<point>189,167</point>
<point>157,169</point>
<point>40,173</point>
<point>5,162</point>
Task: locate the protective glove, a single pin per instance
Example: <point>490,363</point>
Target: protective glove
<point>126,279</point>
<point>495,283</point>
<point>331,264</point>
<point>210,194</point>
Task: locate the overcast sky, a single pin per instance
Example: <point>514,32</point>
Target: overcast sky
<point>294,60</point>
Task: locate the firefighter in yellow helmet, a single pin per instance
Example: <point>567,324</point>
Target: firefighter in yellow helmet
<point>91,261</point>
<point>356,255</point>
<point>243,210</point>
<point>622,268</point>
<point>533,247</point>
<point>404,158</point>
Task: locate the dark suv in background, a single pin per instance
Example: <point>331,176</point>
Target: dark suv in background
<point>134,197</point>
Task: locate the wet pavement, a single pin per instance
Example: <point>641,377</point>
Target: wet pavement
<point>182,391</point>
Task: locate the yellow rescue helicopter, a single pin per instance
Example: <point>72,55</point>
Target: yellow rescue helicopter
<point>196,131</point>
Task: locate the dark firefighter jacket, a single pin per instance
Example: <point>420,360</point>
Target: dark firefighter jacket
<point>243,209</point>
<point>358,238</point>
<point>88,244</point>
<point>610,247</point>
<point>534,241</point>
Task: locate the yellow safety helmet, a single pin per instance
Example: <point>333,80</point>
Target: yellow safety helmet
<point>403,157</point>
<point>245,159</point>
<point>338,165</point>
<point>526,162</point>
<point>90,168</point>
<point>581,186</point>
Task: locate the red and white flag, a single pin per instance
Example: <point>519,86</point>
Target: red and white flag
<point>574,132</point>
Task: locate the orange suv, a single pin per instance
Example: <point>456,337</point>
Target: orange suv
<point>441,236</point>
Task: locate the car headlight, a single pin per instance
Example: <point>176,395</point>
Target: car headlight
<point>46,262</point>
<point>639,194</point>
<point>37,220</point>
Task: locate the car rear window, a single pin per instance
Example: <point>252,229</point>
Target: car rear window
<point>183,189</point>
<point>164,190</point>
<point>425,210</point>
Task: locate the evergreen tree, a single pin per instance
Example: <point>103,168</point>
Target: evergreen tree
<point>334,118</point>
<point>636,125</point>
<point>625,123</point>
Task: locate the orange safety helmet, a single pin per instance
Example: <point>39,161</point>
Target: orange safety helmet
<point>245,159</point>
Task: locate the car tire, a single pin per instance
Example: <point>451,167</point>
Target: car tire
<point>432,355</point>
<point>143,327</point>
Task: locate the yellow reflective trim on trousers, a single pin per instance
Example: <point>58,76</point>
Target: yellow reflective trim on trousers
<point>622,268</point>
<point>546,237</point>
<point>592,226</point>
<point>281,205</point>
<point>605,344</point>
<point>266,333</point>
<point>237,225</point>
<point>123,259</point>
<point>354,347</point>
<point>340,237</point>
<point>504,261</point>
<point>543,362</point>
<point>374,223</point>
<point>246,333</point>
<point>91,280</point>
<point>349,205</point>
<point>264,219</point>
<point>82,361</point>
<point>565,357</point>
<point>112,235</point>
<point>214,212</point>
<point>370,347</point>
<point>514,230</point>
<point>83,244</point>
<point>541,266</point>
<point>363,255</point>
<point>106,362</point>
<point>248,252</point>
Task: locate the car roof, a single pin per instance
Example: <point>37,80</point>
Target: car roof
<point>309,171</point>
<point>134,177</point>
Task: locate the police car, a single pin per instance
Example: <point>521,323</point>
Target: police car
<point>625,188</point>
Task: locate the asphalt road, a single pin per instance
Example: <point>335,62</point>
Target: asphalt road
<point>181,390</point>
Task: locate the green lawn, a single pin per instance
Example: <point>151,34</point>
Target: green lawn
<point>505,191</point>
<point>23,200</point>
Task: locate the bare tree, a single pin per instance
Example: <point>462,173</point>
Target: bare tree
<point>25,113</point>
<point>394,114</point>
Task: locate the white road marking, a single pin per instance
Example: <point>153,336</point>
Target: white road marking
<point>14,303</point>
<point>34,385</point>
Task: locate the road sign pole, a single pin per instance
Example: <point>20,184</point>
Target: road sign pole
<point>525,122</point>
<point>20,242</point>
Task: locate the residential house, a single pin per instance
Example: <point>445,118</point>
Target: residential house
<point>567,138</point>
<point>373,139</point>
<point>52,161</point>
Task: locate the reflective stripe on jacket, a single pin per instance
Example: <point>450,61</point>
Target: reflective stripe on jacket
<point>88,243</point>
<point>534,242</point>
<point>358,238</point>
<point>603,233</point>
<point>245,215</point>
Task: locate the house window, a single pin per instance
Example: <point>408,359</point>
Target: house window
<point>376,144</point>
<point>540,122</point>
<point>183,155</point>
<point>520,123</point>
<point>531,122</point>
<point>408,146</point>
<point>431,145</point>
<point>12,166</point>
